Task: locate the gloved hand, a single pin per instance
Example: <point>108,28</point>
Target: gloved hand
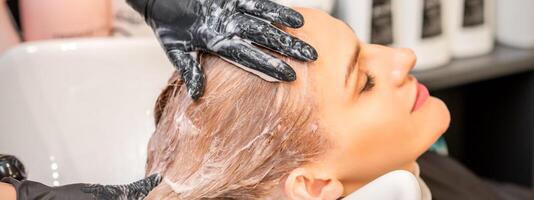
<point>226,28</point>
<point>10,166</point>
<point>30,190</point>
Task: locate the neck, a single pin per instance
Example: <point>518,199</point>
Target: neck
<point>349,188</point>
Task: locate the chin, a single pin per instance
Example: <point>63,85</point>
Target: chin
<point>432,120</point>
<point>440,114</point>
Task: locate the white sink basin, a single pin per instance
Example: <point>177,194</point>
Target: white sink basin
<point>81,110</point>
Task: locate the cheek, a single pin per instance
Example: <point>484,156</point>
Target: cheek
<point>383,116</point>
<point>377,140</point>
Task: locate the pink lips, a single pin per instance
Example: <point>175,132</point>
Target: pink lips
<point>422,96</point>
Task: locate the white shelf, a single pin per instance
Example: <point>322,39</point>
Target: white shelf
<point>502,61</point>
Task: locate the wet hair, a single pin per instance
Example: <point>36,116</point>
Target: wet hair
<point>239,141</point>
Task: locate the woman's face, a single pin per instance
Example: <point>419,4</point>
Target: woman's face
<point>371,122</point>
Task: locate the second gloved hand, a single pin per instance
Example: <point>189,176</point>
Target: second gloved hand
<point>30,190</point>
<point>227,28</point>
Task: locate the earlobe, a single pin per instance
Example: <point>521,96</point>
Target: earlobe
<point>301,184</point>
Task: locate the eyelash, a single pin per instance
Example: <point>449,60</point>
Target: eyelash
<point>370,83</point>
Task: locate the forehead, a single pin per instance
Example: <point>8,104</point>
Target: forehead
<point>324,31</point>
<point>335,43</point>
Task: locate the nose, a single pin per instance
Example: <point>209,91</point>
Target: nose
<point>403,62</point>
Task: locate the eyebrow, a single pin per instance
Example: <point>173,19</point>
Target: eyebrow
<point>352,65</point>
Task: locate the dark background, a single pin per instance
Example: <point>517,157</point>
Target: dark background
<point>492,127</point>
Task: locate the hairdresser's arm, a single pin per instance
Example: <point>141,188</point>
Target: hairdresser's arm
<point>30,190</point>
<point>227,28</point>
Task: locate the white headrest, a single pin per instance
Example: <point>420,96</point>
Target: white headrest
<point>395,185</point>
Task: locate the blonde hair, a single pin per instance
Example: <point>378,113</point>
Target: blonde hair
<point>239,141</point>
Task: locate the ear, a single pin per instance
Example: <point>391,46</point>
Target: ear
<point>301,184</point>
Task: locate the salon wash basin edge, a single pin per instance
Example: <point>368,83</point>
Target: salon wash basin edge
<point>81,110</point>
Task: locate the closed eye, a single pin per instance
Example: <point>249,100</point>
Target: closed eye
<point>369,83</point>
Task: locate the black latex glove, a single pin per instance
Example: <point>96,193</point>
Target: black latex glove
<point>10,166</point>
<point>224,28</point>
<point>30,190</point>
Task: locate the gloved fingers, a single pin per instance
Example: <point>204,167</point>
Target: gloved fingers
<point>266,35</point>
<point>11,166</point>
<point>272,12</point>
<point>135,190</point>
<point>142,187</point>
<point>245,54</point>
<point>190,70</point>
